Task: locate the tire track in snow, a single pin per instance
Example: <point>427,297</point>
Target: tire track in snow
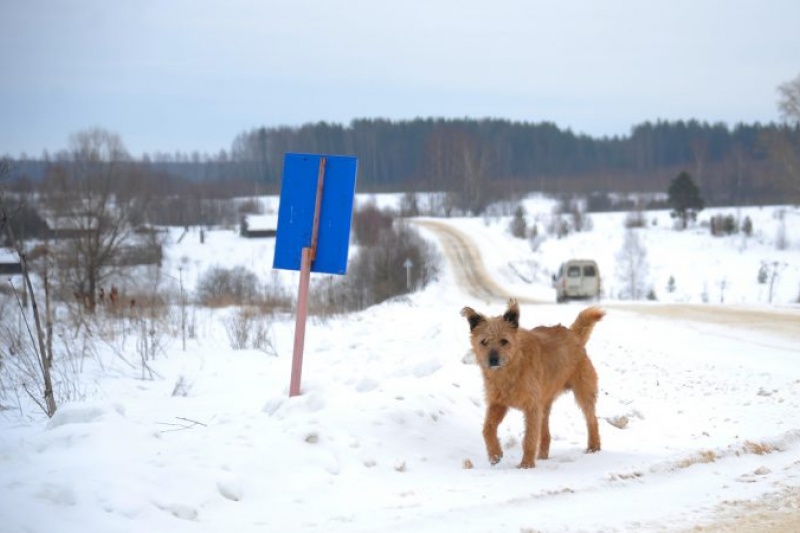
<point>784,322</point>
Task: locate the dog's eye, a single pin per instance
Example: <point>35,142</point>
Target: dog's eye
<point>484,342</point>
<point>503,342</point>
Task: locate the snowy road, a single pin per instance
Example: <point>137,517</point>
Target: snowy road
<point>465,257</point>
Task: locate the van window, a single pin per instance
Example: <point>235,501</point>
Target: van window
<point>574,272</point>
<point>589,271</point>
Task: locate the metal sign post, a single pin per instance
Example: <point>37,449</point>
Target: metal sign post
<point>314,216</point>
<point>309,254</point>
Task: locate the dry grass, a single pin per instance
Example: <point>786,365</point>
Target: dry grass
<point>701,457</point>
<point>760,448</point>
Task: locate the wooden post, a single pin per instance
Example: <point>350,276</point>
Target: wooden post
<point>309,254</point>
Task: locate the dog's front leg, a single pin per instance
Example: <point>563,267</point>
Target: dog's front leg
<point>494,415</point>
<point>530,444</point>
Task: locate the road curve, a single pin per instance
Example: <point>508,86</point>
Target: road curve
<point>467,263</point>
<point>471,274</point>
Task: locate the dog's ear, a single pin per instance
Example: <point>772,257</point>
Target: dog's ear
<point>473,317</point>
<point>512,313</point>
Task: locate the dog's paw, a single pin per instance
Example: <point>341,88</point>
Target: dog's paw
<point>593,449</point>
<point>494,459</point>
<point>526,464</point>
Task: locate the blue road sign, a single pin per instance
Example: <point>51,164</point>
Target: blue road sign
<point>296,211</point>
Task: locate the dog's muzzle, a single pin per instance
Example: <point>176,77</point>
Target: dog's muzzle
<point>494,359</point>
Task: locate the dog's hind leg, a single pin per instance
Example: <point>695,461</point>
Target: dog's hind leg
<point>584,386</point>
<point>495,414</point>
<point>593,444</point>
<point>544,443</point>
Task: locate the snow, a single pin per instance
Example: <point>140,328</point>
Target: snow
<point>389,420</point>
<point>8,256</point>
<point>262,222</point>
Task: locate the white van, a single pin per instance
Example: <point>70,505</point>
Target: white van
<point>577,278</point>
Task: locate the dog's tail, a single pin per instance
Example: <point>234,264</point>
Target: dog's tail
<point>585,322</point>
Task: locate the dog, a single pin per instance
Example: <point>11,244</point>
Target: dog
<point>527,370</point>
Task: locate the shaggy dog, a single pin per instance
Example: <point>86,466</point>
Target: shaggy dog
<point>527,370</point>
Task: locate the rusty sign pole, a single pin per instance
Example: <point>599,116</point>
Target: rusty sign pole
<point>309,254</point>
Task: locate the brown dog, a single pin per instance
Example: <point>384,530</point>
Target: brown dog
<point>527,370</point>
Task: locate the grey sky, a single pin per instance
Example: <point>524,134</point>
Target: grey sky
<point>190,75</point>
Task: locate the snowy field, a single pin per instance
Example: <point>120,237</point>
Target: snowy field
<point>695,416</point>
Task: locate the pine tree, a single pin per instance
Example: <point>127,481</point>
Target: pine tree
<point>684,198</point>
<point>519,225</point>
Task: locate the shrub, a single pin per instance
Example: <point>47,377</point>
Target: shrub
<point>747,226</point>
<point>227,286</point>
<point>251,206</point>
<point>535,240</point>
<point>671,285</point>
<point>579,219</point>
<point>558,226</point>
<point>377,273</point>
<point>635,219</point>
<point>248,328</point>
<point>598,202</point>
<point>409,205</point>
<point>723,225</point>
<point>369,222</point>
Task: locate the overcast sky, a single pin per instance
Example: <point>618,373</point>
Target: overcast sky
<point>190,75</point>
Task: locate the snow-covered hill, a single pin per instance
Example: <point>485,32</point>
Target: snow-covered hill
<point>391,410</point>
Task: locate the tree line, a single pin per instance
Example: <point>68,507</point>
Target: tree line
<point>731,165</point>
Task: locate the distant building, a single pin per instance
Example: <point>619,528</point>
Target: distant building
<point>259,226</point>
<point>70,227</point>
<point>9,262</point>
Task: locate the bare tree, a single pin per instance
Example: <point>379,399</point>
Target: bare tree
<point>789,100</point>
<point>42,343</point>
<point>456,162</point>
<point>699,149</point>
<point>83,197</point>
<point>785,148</point>
<point>438,168</point>
<point>632,267</point>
